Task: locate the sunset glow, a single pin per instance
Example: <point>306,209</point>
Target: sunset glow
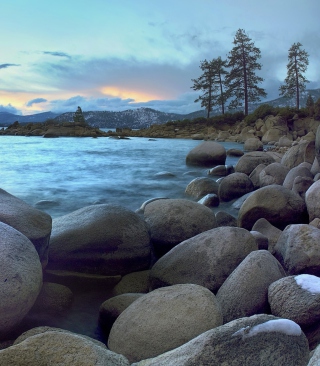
<point>136,95</point>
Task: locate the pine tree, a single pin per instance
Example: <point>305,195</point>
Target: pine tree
<point>295,80</point>
<point>211,83</point>
<point>242,81</point>
<point>78,117</point>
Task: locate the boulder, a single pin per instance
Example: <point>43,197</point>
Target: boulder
<point>298,249</point>
<point>218,171</point>
<point>255,175</point>
<point>315,358</point>
<point>206,259</point>
<point>34,224</point>
<point>208,153</point>
<point>113,307</point>
<point>273,173</point>
<point>53,298</point>
<point>253,144</point>
<point>199,187</point>
<point>276,128</point>
<point>245,291</point>
<point>296,298</point>
<point>59,348</point>
<point>225,219</point>
<point>304,151</point>
<point>262,240</point>
<point>172,221</point>
<point>133,282</point>
<point>312,198</point>
<point>181,311</point>
<point>21,278</point>
<point>278,205</point>
<point>234,152</point>
<point>234,186</point>
<point>250,160</point>
<point>100,239</point>
<point>296,172</point>
<point>210,200</point>
<point>262,340</point>
<point>301,185</point>
<point>264,227</point>
<point>285,141</point>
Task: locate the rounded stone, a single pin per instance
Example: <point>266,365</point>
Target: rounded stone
<point>208,153</point>
<point>250,160</point>
<point>201,186</point>
<point>234,186</point>
<point>273,173</point>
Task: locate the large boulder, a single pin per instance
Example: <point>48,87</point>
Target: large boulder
<point>172,221</point>
<point>278,205</point>
<point>297,154</point>
<point>250,160</point>
<point>34,224</point>
<point>255,175</point>
<point>298,171</point>
<point>262,340</point>
<point>201,186</point>
<point>100,239</point>
<point>133,282</point>
<point>245,291</point>
<point>234,186</point>
<point>312,197</point>
<point>298,249</point>
<point>253,144</point>
<point>276,128</point>
<point>296,298</point>
<point>208,153</point>
<point>206,259</point>
<point>162,320</point>
<point>21,278</point>
<point>264,227</point>
<point>59,348</point>
<point>273,173</point>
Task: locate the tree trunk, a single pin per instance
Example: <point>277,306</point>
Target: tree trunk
<point>297,83</point>
<point>221,94</point>
<point>245,82</point>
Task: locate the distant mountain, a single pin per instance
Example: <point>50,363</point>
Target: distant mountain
<point>141,117</point>
<point>7,119</point>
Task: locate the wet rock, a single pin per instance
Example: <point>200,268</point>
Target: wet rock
<point>234,186</point>
<point>133,282</point>
<point>210,200</point>
<point>200,187</point>
<point>208,153</point>
<point>225,219</point>
<point>250,160</point>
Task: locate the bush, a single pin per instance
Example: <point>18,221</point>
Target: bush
<point>317,110</point>
<point>262,111</point>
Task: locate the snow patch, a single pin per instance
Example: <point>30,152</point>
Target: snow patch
<point>309,283</point>
<point>284,326</point>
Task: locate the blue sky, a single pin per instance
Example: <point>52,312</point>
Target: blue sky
<point>116,55</point>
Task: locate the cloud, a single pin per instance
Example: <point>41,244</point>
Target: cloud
<point>9,109</point>
<point>4,66</point>
<point>35,101</point>
<point>56,54</point>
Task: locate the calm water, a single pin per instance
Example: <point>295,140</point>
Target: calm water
<point>69,173</point>
<point>61,175</point>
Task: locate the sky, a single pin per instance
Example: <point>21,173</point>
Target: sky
<point>124,54</point>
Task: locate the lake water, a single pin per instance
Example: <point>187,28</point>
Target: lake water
<point>66,174</point>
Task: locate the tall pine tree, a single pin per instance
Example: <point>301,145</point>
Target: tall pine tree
<point>78,117</point>
<point>211,83</point>
<point>295,80</point>
<point>242,81</point>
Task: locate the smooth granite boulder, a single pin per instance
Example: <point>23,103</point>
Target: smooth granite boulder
<point>296,298</point>
<point>255,175</point>
<point>264,227</point>
<point>249,161</point>
<point>234,186</point>
<point>199,187</point>
<point>315,358</point>
<point>278,205</point>
<point>133,282</point>
<point>302,152</point>
<point>312,197</point>
<point>274,173</point>
<point>206,259</point>
<point>34,224</point>
<point>21,278</point>
<point>54,348</point>
<point>301,185</point>
<point>225,219</point>
<point>261,340</point>
<point>208,153</point>
<point>298,249</point>
<point>253,144</point>
<point>162,320</point>
<point>100,239</point>
<point>172,221</point>
<point>245,291</point>
<point>298,171</point>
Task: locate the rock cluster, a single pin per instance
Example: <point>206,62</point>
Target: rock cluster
<point>189,287</point>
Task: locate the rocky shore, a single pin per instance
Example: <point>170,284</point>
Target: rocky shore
<point>189,287</point>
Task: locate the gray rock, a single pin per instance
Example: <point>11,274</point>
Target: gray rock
<point>163,320</point>
<point>296,298</point>
<point>210,200</point>
<point>315,359</point>
<point>262,340</point>
<point>225,219</point>
<point>59,348</point>
<point>279,205</point>
<point>234,186</point>
<point>304,151</point>
<point>271,232</point>
<point>312,198</point>
<point>133,282</point>
<point>274,173</point>
<point>301,185</point>
<point>253,144</point>
<point>172,221</point>
<point>234,152</point>
<point>100,239</point>
<point>261,240</point>
<point>199,187</point>
<point>206,259</point>
<point>219,170</point>
<point>251,160</point>
<point>245,291</point>
<point>298,249</point>
<point>208,153</point>
<point>33,223</point>
<point>255,175</point>
<point>21,278</point>
<point>296,172</point>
